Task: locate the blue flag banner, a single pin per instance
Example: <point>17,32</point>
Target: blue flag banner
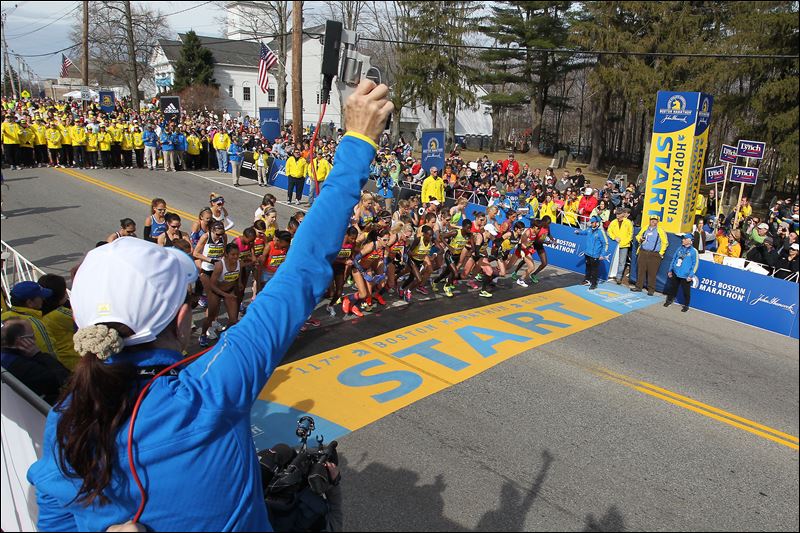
<point>269,119</point>
<point>432,150</point>
<point>106,101</point>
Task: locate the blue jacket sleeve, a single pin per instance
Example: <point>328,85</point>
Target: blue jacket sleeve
<point>232,374</point>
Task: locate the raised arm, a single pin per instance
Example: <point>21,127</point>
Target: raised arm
<point>231,375</point>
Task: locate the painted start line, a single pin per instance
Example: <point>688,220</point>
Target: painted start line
<point>349,387</point>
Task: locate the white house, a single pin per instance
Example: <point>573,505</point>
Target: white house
<point>236,71</point>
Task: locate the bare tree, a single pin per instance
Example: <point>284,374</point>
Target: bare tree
<point>270,21</point>
<point>386,22</point>
<point>120,47</point>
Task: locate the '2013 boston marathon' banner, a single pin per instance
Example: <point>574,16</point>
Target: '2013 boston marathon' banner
<point>432,149</point>
<point>674,170</point>
<point>270,122</point>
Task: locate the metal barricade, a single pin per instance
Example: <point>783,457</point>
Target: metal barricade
<point>16,268</point>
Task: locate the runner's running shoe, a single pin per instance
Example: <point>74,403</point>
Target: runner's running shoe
<point>203,302</point>
<point>204,342</point>
<point>379,299</point>
<point>346,306</point>
<point>422,290</point>
<point>534,279</point>
<point>521,283</point>
<point>408,296</point>
<point>212,334</point>
<point>448,291</point>
<point>485,294</point>
<point>434,286</point>
<point>313,322</point>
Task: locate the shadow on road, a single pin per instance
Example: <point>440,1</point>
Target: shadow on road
<point>378,497</point>
<point>37,210</point>
<point>22,241</point>
<point>612,521</point>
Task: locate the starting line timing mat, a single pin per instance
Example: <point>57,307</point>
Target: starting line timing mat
<point>354,385</point>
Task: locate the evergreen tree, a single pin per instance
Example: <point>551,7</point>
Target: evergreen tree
<point>518,28</point>
<point>196,64</point>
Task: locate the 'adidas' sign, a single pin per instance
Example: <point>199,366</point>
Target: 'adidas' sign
<point>170,109</point>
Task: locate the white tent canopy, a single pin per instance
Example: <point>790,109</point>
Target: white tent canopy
<point>77,94</point>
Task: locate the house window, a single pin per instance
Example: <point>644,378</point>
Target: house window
<point>329,99</point>
<point>230,91</point>
<point>246,94</point>
<point>271,95</point>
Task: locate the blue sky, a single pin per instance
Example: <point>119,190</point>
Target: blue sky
<point>26,33</point>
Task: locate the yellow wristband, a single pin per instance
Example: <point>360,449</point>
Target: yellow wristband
<point>362,137</point>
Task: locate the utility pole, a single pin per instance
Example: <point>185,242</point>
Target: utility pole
<point>297,71</point>
<point>9,70</point>
<point>85,65</point>
<point>134,78</point>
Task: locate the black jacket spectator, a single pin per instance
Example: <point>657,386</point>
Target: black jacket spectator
<point>42,373</point>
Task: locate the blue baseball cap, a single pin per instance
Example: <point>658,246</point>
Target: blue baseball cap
<point>687,236</point>
<point>596,219</point>
<point>28,290</point>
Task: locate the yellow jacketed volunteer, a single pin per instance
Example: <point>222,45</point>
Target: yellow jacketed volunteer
<point>296,167</point>
<point>78,135</point>
<point>127,141</point>
<point>66,138</point>
<point>571,213</point>
<point>60,327</point>
<point>11,132</point>
<point>662,235</point>
<point>701,205</point>
<point>222,141</point>
<point>41,132</point>
<point>548,209</point>
<point>26,138</point>
<point>138,143</point>
<point>91,141</point>
<point>320,166</point>
<point>193,144</point>
<point>621,232</point>
<point>53,138</point>
<point>104,141</point>
<point>116,130</point>
<point>433,187</point>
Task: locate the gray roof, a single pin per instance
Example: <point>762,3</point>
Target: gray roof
<point>227,51</point>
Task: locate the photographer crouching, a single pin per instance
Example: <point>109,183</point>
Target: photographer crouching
<point>191,445</point>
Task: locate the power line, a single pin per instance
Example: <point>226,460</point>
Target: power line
<point>69,12</point>
<point>48,53</point>
<point>187,9</point>
<point>585,52</point>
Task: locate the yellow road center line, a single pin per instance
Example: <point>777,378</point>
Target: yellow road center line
<point>785,439</point>
<point>128,194</point>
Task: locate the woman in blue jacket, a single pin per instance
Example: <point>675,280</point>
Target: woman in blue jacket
<point>192,443</point>
<point>595,248</point>
<point>235,156</point>
<point>681,272</point>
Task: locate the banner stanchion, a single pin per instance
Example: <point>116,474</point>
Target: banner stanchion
<point>721,199</point>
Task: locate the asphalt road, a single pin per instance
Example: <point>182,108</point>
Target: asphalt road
<point>584,433</point>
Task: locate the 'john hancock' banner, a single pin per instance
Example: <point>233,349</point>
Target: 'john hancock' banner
<point>677,153</point>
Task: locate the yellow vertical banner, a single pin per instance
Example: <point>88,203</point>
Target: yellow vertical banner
<point>675,165</point>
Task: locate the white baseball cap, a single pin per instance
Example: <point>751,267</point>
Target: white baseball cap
<point>588,190</point>
<point>763,226</point>
<point>133,282</point>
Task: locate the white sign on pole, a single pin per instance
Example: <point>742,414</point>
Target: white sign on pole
<point>86,94</point>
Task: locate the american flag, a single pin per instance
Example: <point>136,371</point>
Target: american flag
<point>268,59</point>
<point>65,64</point>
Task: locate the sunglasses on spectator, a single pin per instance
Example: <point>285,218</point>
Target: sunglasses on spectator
<point>175,226</point>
